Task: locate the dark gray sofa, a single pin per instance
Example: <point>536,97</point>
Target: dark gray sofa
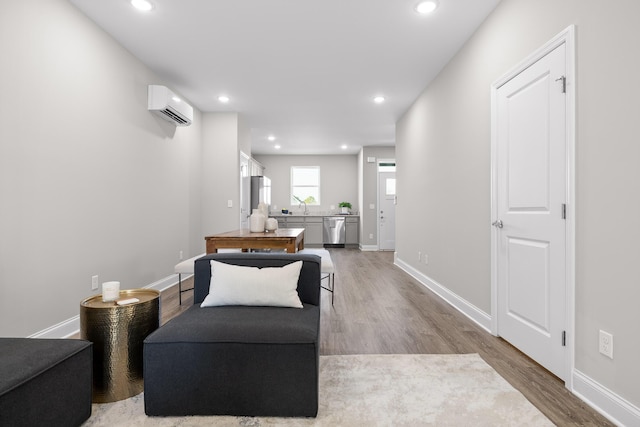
<point>45,382</point>
<point>238,360</point>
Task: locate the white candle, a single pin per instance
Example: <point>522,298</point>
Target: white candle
<point>110,291</point>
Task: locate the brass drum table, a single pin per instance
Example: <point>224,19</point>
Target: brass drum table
<point>117,333</point>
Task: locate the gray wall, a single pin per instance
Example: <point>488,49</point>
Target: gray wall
<point>338,179</point>
<point>220,172</point>
<point>90,181</point>
<point>443,153</point>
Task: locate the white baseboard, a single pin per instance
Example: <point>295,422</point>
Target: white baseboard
<point>71,327</point>
<point>165,283</point>
<point>610,405</point>
<point>63,329</point>
<point>463,306</point>
<point>603,400</point>
<point>369,248</point>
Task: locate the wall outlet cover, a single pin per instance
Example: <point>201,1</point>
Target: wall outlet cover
<point>605,345</point>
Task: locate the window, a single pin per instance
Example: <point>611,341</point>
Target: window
<point>386,167</point>
<point>305,185</point>
<point>390,187</point>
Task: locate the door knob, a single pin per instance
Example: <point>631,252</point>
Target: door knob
<point>497,224</point>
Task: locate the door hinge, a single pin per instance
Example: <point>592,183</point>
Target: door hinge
<point>564,338</point>
<point>564,83</point>
<point>564,211</point>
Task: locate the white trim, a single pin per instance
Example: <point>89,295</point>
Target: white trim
<point>368,248</point>
<point>64,329</point>
<point>613,407</point>
<point>463,306</point>
<point>566,37</point>
<point>618,410</point>
<point>71,326</point>
<point>244,157</point>
<point>164,284</point>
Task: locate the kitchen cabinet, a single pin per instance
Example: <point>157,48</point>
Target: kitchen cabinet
<point>296,222</point>
<point>313,230</point>
<point>312,225</point>
<point>351,231</point>
<point>256,168</point>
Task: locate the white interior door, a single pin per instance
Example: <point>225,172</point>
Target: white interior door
<point>387,211</point>
<point>530,188</point>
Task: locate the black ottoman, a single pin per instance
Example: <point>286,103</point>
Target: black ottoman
<point>45,382</point>
<point>238,360</point>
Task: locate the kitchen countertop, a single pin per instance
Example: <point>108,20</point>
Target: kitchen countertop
<point>299,215</point>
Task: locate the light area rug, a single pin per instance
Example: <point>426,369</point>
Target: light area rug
<point>377,390</point>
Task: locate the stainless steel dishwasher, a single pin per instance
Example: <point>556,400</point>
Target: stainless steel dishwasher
<point>333,231</point>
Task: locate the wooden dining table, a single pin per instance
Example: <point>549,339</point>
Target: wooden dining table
<point>290,239</point>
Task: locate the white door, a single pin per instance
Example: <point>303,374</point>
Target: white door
<point>245,191</point>
<point>530,190</point>
<point>387,211</point>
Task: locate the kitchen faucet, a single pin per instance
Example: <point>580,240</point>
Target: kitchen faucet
<point>306,212</point>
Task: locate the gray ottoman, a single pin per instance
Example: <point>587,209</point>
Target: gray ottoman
<point>45,382</point>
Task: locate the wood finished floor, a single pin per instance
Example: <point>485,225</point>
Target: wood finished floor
<point>379,309</point>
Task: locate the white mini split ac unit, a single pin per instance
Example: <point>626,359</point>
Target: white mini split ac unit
<point>169,106</point>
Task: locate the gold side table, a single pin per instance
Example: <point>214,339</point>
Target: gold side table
<point>117,333</point>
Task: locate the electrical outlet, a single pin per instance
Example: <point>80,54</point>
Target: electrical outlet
<point>94,283</point>
<point>419,256</point>
<point>181,257</point>
<point>371,235</point>
<point>426,259</point>
<point>606,344</point>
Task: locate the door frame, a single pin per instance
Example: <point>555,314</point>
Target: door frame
<point>567,37</point>
<point>244,197</point>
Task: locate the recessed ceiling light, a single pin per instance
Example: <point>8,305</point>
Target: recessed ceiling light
<point>378,99</point>
<point>277,146</point>
<point>343,146</point>
<point>223,98</point>
<point>142,5</point>
<point>427,6</point>
<point>271,138</point>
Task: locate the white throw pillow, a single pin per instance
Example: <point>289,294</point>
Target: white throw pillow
<point>240,285</point>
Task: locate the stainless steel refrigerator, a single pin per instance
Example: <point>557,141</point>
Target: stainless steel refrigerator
<point>260,191</point>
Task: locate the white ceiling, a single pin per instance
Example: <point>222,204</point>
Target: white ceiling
<point>305,71</point>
